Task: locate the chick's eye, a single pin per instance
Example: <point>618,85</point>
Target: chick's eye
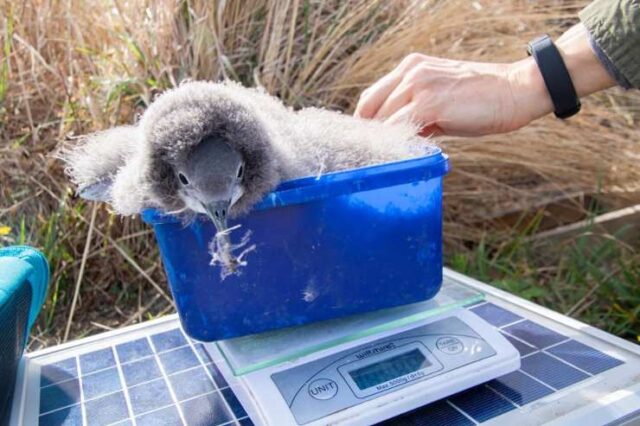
<point>240,172</point>
<point>183,179</point>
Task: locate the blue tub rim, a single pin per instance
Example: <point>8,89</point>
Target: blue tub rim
<point>434,164</point>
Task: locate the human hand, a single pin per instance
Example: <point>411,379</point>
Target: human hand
<point>452,97</point>
<point>464,98</point>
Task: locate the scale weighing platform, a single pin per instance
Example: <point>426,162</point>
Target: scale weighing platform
<point>472,355</point>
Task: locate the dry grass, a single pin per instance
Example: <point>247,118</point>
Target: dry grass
<point>71,67</point>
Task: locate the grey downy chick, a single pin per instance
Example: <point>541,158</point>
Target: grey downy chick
<point>218,148</point>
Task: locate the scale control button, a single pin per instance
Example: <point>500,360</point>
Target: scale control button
<point>450,345</point>
<point>323,389</point>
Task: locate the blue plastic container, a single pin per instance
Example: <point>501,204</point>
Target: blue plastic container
<point>344,243</point>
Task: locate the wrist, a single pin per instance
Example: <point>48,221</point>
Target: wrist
<point>531,99</point>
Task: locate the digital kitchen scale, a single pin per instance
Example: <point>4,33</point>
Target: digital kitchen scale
<point>380,376</point>
<point>445,363</point>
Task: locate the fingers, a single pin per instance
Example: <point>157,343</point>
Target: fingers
<point>400,97</point>
<point>404,115</point>
<point>408,115</point>
<point>372,99</point>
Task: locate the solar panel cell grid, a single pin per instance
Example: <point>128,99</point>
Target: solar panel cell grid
<point>149,396</point>
<point>439,413</point>
<point>166,378</point>
<point>168,340</point>
<point>551,371</point>
<point>59,395</point>
<point>534,334</point>
<point>58,371</point>
<point>495,315</point>
<point>202,353</point>
<point>178,359</point>
<point>164,416</point>
<point>550,361</point>
<point>141,371</point>
<point>218,378</point>
<point>582,356</point>
<point>101,383</point>
<point>107,409</point>
<point>520,388</point>
<point>522,347</point>
<point>481,403</point>
<point>246,422</point>
<point>136,349</point>
<point>70,416</point>
<point>98,360</point>
<point>235,405</point>
<point>162,379</point>
<point>209,409</point>
<point>190,383</point>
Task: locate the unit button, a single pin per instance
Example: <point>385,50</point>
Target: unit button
<point>323,389</point>
<point>450,345</point>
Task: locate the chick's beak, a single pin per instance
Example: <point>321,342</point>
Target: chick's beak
<point>217,212</point>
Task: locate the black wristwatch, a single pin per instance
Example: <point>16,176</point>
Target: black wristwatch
<point>556,76</point>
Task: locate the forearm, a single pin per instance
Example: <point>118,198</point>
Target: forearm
<point>587,73</point>
<point>614,29</point>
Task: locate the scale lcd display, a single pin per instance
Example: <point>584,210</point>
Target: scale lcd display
<point>389,369</point>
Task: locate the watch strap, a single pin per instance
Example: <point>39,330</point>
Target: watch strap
<point>556,76</point>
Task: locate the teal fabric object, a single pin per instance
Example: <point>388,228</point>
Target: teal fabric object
<point>24,275</point>
<point>24,265</point>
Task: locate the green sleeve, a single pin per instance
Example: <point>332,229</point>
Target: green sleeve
<point>614,26</point>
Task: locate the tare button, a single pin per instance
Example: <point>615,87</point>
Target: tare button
<point>450,345</point>
<point>323,389</point>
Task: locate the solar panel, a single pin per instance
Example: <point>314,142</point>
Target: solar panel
<point>584,357</point>
<point>58,371</point>
<point>140,371</point>
<point>165,378</point>
<point>164,416</point>
<point>101,383</point>
<point>161,379</point>
<point>520,388</point>
<point>66,416</point>
<point>133,350</point>
<point>106,410</point>
<point>550,362</point>
<point>534,334</point>
<point>481,403</point>
<point>59,395</point>
<point>438,413</point>
<point>522,347</point>
<point>495,315</point>
<point>551,371</point>
<point>98,360</point>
